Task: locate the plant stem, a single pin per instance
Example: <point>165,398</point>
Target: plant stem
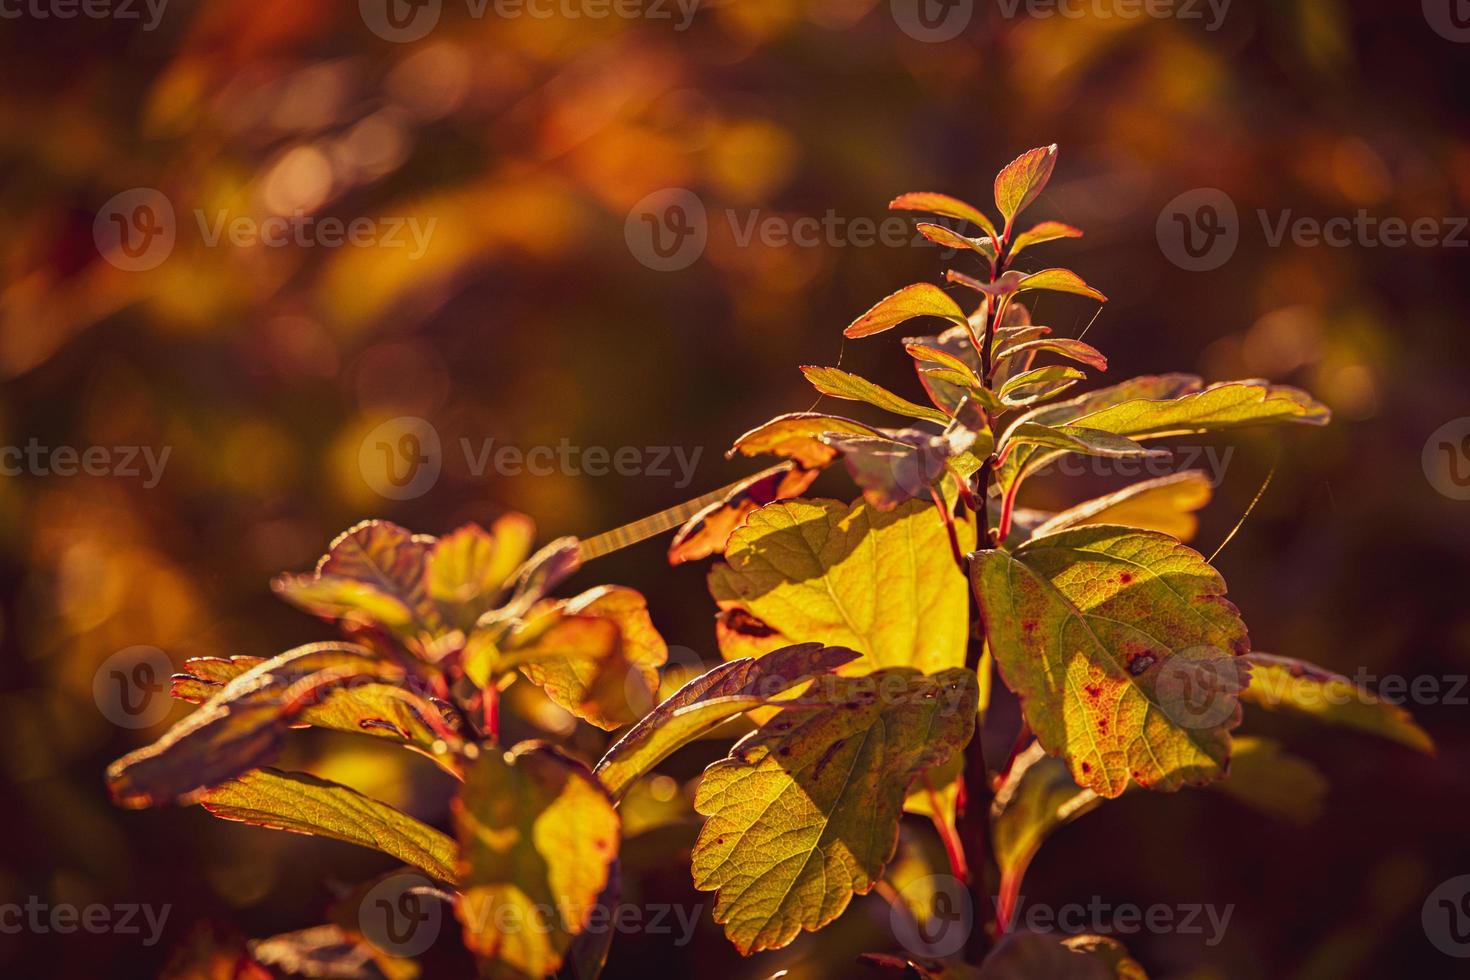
<point>491,707</point>
<point>947,833</point>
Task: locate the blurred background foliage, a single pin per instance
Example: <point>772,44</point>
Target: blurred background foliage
<point>529,321</point>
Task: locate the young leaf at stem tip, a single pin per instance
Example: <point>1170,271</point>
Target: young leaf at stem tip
<point>1022,180</point>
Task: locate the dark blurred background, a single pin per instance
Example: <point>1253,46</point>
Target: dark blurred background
<point>525,146</point>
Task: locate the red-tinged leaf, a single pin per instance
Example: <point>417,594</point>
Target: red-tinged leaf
<point>904,463</point>
<point>1074,350</point>
<point>1046,231</point>
<point>1074,439</point>
<point>943,204</point>
<point>955,351</point>
<point>204,677</point>
<point>841,384</point>
<point>243,726</point>
<point>945,238</point>
<point>1124,651</point>
<point>1058,281</point>
<point>706,532</point>
<point>796,437</point>
<point>1022,180</point>
<point>708,701</point>
<point>1302,687</point>
<point>920,299</point>
<point>372,573</point>
<point>960,279</point>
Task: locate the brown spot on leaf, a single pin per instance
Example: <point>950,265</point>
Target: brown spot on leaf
<point>1125,577</point>
<point>742,622</point>
<point>1139,662</point>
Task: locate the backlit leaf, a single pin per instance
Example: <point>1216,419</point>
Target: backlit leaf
<point>467,569</point>
<point>242,726</point>
<point>944,237</point>
<point>374,573</point>
<point>1058,281</point>
<point>1045,956</point>
<point>1038,797</point>
<point>881,583</point>
<point>303,804</point>
<point>920,299</point>
<point>1075,439</point>
<point>1112,638</point>
<point>804,813</point>
<point>1074,349</point>
<point>904,463</point>
<point>955,351</point>
<point>943,204</point>
<point>1040,383</point>
<point>538,836</point>
<point>1305,688</point>
<point>1022,180</point>
<point>1165,504</point>
<point>709,700</point>
<point>1045,231</point>
<point>795,437</point>
<point>325,951</point>
<point>706,532</point>
<point>840,384</point>
<point>1231,405</point>
<point>1266,777</point>
<point>585,651</point>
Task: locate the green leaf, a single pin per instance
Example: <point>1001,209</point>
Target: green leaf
<point>242,726</point>
<point>1045,231</point>
<point>1073,439</point>
<point>943,204</point>
<point>1230,405</point>
<point>303,804</point>
<point>538,837</point>
<point>1109,635</point>
<point>1006,339</point>
<point>795,437</point>
<point>953,351</point>
<point>840,384</point>
<point>920,299</point>
<point>881,583</point>
<point>944,237</point>
<point>1022,180</point>
<point>1305,688</point>
<point>1037,798</point>
<point>1267,778</point>
<point>1058,281</point>
<point>708,701</point>
<point>1035,385</point>
<point>1164,504</point>
<point>804,813</point>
